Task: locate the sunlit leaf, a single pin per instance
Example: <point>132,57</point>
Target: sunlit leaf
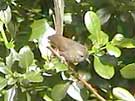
<point>103,69</point>
<point>68,18</point>
<point>14,94</point>
<point>3,68</point>
<point>113,50</point>
<point>47,98</point>
<point>123,42</point>
<point>123,94</point>
<point>38,28</point>
<point>10,94</point>
<point>26,57</point>
<point>104,15</point>
<point>5,15</point>
<point>128,71</point>
<point>99,39</point>
<point>59,91</point>
<point>74,92</point>
<point>3,83</point>
<point>59,66</point>
<point>44,42</point>
<point>11,81</point>
<point>92,22</point>
<point>10,45</point>
<point>13,56</point>
<point>33,76</point>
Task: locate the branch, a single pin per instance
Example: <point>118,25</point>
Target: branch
<point>89,86</point>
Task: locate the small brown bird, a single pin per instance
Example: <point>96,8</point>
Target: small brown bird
<point>71,50</point>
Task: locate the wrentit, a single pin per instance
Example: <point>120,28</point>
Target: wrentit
<point>72,51</point>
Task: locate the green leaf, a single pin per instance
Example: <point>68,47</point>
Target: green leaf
<point>1,25</point>
<point>103,69</point>
<point>104,15</point>
<point>10,94</point>
<point>3,68</point>
<point>10,45</point>
<point>14,94</point>
<point>68,18</point>
<point>26,57</point>
<point>99,39</point>
<point>123,42</point>
<point>47,98</point>
<point>44,43</point>
<point>13,56</point>
<point>33,76</point>
<point>59,66</point>
<point>128,71</point>
<point>59,91</point>
<point>3,83</point>
<point>113,50</point>
<point>122,94</point>
<point>5,15</point>
<point>74,91</point>
<point>11,80</point>
<point>38,28</point>
<point>92,22</point>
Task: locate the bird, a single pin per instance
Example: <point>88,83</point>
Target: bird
<point>71,50</point>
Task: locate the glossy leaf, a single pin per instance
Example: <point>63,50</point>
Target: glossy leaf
<point>68,18</point>
<point>103,69</point>
<point>10,45</point>
<point>123,42</point>
<point>38,28</point>
<point>10,94</point>
<point>47,98</point>
<point>33,76</point>
<point>104,15</point>
<point>14,94</point>
<point>11,81</point>
<point>5,15</point>
<point>26,57</point>
<point>128,71</point>
<point>99,39</point>
<point>92,22</point>
<point>13,56</point>
<point>59,91</point>
<point>59,66</point>
<point>44,42</point>
<point>122,94</point>
<point>113,50</point>
<point>3,68</point>
<point>74,91</point>
<point>3,83</point>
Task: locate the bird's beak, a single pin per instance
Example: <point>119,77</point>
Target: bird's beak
<point>87,59</point>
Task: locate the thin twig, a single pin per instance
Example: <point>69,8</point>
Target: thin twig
<point>89,86</point>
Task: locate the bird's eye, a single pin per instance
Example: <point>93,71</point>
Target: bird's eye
<point>81,56</point>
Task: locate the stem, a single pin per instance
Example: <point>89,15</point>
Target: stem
<point>89,86</point>
<point>4,36</point>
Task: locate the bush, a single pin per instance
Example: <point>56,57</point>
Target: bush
<point>29,71</point>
